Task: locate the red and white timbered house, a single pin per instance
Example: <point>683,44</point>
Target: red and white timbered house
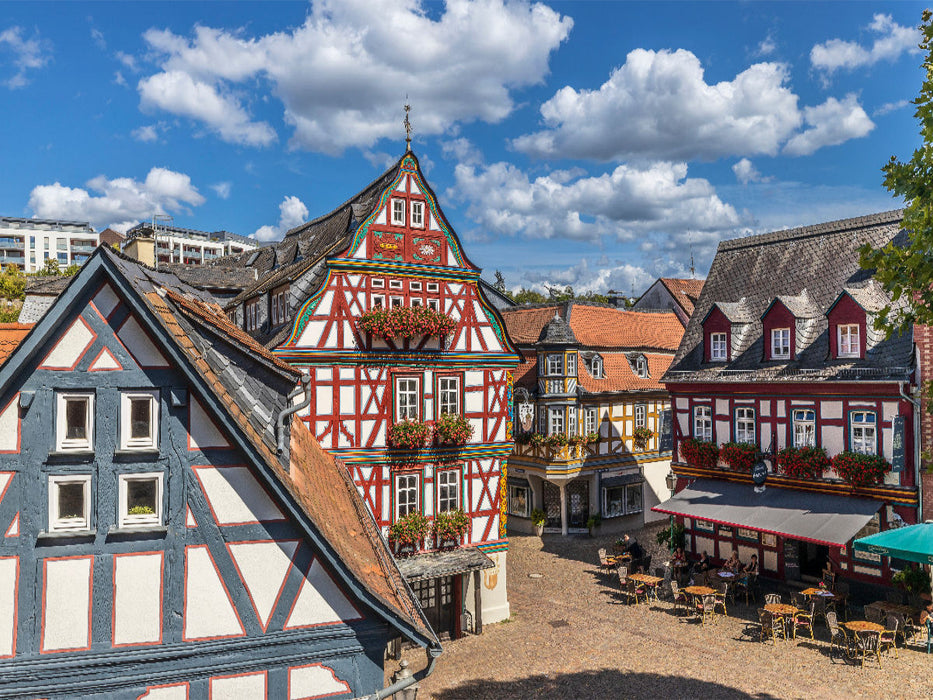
<point>781,354</point>
<point>390,247</point>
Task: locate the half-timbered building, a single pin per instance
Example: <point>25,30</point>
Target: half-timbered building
<point>390,248</point>
<point>781,357</point>
<point>169,530</point>
<point>592,425</point>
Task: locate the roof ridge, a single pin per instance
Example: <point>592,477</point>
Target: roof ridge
<point>813,230</point>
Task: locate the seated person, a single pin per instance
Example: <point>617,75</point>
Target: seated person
<point>927,613</point>
<point>827,568</point>
<point>732,563</point>
<point>702,565</point>
<point>678,559</point>
<point>752,566</point>
<point>632,547</point>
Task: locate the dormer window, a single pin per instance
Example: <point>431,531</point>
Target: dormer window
<point>554,364</point>
<point>848,340</point>
<point>596,366</point>
<point>780,343</point>
<point>717,347</point>
<point>641,366</point>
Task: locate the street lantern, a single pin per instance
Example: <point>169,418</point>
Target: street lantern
<point>671,481</point>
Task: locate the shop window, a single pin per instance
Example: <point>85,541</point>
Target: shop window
<point>139,420</point>
<point>519,501</point>
<point>140,499</point>
<point>69,503</point>
<point>75,422</point>
<point>622,500</point>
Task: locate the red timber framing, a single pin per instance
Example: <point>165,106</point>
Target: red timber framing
<point>832,404</point>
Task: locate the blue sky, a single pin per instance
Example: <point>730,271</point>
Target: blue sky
<point>598,144</point>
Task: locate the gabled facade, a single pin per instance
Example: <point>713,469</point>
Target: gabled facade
<point>168,531</point>
<point>782,355</point>
<point>678,295</point>
<point>391,247</point>
<point>593,421</point>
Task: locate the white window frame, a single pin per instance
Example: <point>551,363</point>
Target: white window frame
<point>408,483</point>
<point>555,421</point>
<point>396,302</point>
<point>848,340</point>
<point>69,524</point>
<point>514,490</point>
<point>432,286</point>
<point>434,304</point>
<point>278,306</point>
<point>397,211</point>
<point>718,351</point>
<point>780,343</point>
<point>745,428</point>
<point>624,509</point>
<point>379,301</point>
<point>572,426</point>
<point>66,444</point>
<point>572,364</point>
<point>804,425</point>
<point>641,366</point>
<point>863,435</point>
<point>126,520</point>
<point>409,412</point>
<point>377,283</point>
<point>395,284</point>
<point>590,423</point>
<point>127,442</point>
<point>596,367</point>
<point>414,286</point>
<point>251,314</point>
<point>555,363</point>
<point>447,388</point>
<point>641,415</point>
<point>449,478</point>
<point>416,302</point>
<point>703,423</point>
<point>417,214</point>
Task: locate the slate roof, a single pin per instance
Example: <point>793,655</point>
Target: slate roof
<point>808,268</point>
<point>46,285</point>
<point>213,276</point>
<point>10,336</point>
<point>253,385</point>
<point>685,292</point>
<point>557,332</point>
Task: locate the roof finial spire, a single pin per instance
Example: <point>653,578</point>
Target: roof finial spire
<point>692,268</point>
<point>407,124</point>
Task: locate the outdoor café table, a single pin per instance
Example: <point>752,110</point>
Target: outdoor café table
<point>782,611</point>
<point>700,590</point>
<point>822,592</point>
<point>650,581</point>
<point>861,626</point>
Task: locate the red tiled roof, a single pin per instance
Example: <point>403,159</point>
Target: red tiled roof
<point>525,324</point>
<point>11,334</point>
<point>526,374</point>
<point>685,292</point>
<point>607,327</point>
<point>618,374</point>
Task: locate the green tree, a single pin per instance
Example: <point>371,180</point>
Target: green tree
<point>51,267</point>
<point>12,283</point>
<point>907,271</point>
<point>72,270</point>
<point>528,296</point>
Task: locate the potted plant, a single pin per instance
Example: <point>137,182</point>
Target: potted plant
<point>803,462</point>
<point>699,453</point>
<point>594,522</point>
<point>860,470</point>
<point>409,434</point>
<point>740,456</point>
<point>405,322</point>
<point>408,531</point>
<point>450,526</point>
<point>672,537</point>
<point>452,429</point>
<point>555,440</point>
<point>591,438</point>
<point>536,439</point>
<point>642,436</point>
<point>539,520</point>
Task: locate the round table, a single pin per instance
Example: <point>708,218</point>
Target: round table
<point>700,590</point>
<point>726,575</point>
<point>780,609</point>
<point>863,626</point>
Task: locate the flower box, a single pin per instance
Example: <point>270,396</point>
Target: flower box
<point>860,470</point>
<point>450,527</point>
<point>406,322</point>
<point>409,531</point>
<point>803,462</point>
<point>409,434</point>
<point>740,456</point>
<point>642,436</point>
<point>452,429</point>
<point>699,453</point>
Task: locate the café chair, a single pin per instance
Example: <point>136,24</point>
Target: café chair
<point>842,598</point>
<point>829,580</point>
<point>803,620</point>
<point>606,565</point>
<point>746,585</point>
<point>705,607</point>
<point>771,627</point>
<point>838,639</point>
<point>720,598</point>
<point>681,602</point>
<point>869,644</point>
<point>772,598</point>
<point>873,614</point>
<point>888,638</point>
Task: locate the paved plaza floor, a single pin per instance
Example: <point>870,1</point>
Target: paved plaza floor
<point>571,637</point>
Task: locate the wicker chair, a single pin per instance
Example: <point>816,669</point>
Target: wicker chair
<point>838,639</point>
<point>623,572</point>
<point>799,601</point>
<point>829,580</point>
<point>680,600</point>
<point>842,598</point>
<point>803,619</point>
<point>772,599</point>
<point>905,627</point>
<point>819,607</point>
<point>626,591</point>
<point>888,638</point>
<point>720,598</point>
<point>771,627</point>
<point>605,564</point>
<point>705,607</point>
<point>873,614</point>
<point>869,645</point>
<point>747,586</point>
<point>639,589</point>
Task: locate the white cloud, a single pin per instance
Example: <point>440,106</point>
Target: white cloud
<point>462,150</point>
<point>120,202</point>
<point>292,212</point>
<point>585,276</point>
<point>766,46</point>
<point>127,60</point>
<point>119,79</point>
<point>146,134</point>
<point>222,189</point>
<point>177,92</point>
<point>28,54</point>
<point>889,107</point>
<point>659,106</point>
<point>891,41</point>
<point>830,124</point>
<point>746,172</point>
<point>98,37</point>
<point>622,204</point>
<point>342,77</point>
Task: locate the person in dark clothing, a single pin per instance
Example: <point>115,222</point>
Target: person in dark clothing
<point>633,548</point>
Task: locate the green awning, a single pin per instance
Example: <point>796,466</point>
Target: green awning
<point>912,543</point>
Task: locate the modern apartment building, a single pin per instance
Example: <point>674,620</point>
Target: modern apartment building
<point>28,243</point>
<point>172,244</point>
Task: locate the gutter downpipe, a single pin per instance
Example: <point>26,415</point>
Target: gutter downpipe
<point>433,652</point>
<point>289,410</point>
<point>917,442</point>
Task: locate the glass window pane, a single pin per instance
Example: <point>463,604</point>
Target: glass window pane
<point>139,418</point>
<point>76,419</point>
<point>141,496</point>
<point>71,501</point>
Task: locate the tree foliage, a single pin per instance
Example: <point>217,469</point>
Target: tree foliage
<point>907,272</point>
<point>12,283</point>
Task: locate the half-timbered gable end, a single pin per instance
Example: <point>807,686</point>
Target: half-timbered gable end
<point>390,249</point>
<point>781,359</point>
<point>593,422</point>
<point>167,534</point>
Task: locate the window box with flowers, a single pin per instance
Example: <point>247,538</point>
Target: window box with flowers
<point>860,470</point>
<point>740,456</point>
<point>555,440</point>
<point>803,462</point>
<point>409,434</point>
<point>699,453</point>
<point>450,527</point>
<point>409,531</point>
<point>406,322</point>
<point>452,429</point>
<point>642,435</point>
